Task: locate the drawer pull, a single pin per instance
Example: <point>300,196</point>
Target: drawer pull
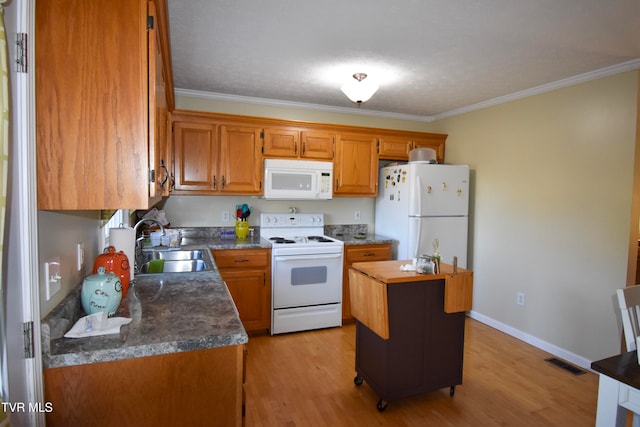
<point>370,254</point>
<point>240,260</point>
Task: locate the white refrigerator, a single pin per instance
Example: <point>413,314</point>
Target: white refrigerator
<point>418,203</point>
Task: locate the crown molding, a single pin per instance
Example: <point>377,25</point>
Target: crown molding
<point>298,105</point>
<point>570,81</point>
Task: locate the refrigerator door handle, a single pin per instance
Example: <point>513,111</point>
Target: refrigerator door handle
<point>420,221</point>
<point>418,196</point>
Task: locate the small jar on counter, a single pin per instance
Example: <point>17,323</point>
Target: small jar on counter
<point>424,265</point>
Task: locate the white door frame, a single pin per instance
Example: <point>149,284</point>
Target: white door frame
<point>23,300</point>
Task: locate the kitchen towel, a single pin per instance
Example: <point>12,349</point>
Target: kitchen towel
<point>124,239</point>
<point>96,324</point>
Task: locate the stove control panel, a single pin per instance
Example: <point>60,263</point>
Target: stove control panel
<point>291,220</point>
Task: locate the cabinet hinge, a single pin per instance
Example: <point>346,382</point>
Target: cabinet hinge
<point>152,175</point>
<point>21,52</point>
<point>149,22</point>
<point>27,331</point>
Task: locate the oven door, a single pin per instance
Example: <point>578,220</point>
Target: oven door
<point>304,280</point>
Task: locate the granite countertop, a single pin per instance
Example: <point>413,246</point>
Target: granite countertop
<point>361,238</point>
<point>171,312</point>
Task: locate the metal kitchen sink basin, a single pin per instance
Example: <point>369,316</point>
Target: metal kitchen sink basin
<point>172,255</point>
<point>174,266</point>
<point>182,261</point>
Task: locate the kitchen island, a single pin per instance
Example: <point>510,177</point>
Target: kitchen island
<point>179,362</point>
<point>409,327</point>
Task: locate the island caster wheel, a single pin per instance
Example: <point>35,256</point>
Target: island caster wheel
<point>452,390</point>
<point>358,380</point>
<point>381,405</point>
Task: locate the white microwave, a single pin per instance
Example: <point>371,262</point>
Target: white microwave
<point>297,180</point>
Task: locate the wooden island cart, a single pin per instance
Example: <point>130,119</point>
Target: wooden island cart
<point>409,327</point>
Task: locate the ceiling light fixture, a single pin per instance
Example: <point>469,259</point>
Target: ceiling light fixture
<point>359,90</point>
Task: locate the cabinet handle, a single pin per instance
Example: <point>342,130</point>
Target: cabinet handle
<point>369,254</point>
<point>264,279</point>
<point>304,148</point>
<point>214,183</point>
<point>240,260</point>
<point>295,148</point>
<point>222,182</point>
<point>166,174</point>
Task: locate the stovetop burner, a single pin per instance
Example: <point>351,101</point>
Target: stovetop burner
<point>281,240</point>
<point>319,239</point>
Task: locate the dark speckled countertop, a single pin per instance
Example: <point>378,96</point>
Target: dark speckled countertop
<point>171,312</point>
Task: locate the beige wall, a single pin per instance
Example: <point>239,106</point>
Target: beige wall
<point>553,179</point>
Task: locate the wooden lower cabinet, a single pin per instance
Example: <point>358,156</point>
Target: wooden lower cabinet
<point>193,388</point>
<point>359,253</point>
<point>247,273</point>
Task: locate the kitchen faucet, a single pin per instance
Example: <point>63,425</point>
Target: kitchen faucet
<point>138,246</point>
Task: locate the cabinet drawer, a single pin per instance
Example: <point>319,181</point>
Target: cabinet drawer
<point>368,253</point>
<point>239,258</point>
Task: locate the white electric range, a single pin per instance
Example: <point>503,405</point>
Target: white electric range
<point>306,276</point>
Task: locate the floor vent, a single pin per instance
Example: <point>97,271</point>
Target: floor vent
<point>564,365</point>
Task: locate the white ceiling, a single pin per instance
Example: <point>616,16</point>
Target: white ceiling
<point>431,58</point>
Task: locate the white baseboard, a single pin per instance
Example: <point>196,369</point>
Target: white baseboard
<point>534,341</point>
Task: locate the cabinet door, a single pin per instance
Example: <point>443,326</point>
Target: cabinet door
<point>196,156</point>
<point>317,145</point>
<point>280,142</point>
<point>92,104</point>
<point>240,160</point>
<point>356,166</point>
<point>250,290</point>
<point>158,116</point>
<point>359,253</point>
<point>394,148</point>
<point>437,143</point>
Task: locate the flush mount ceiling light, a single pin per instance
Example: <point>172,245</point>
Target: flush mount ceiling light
<point>359,90</point>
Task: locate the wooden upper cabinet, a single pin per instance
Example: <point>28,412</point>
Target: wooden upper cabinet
<point>397,147</point>
<point>434,141</point>
<point>240,160</point>
<point>93,144</point>
<point>195,156</point>
<point>355,166</point>
<point>394,148</point>
<point>294,143</point>
<point>317,145</point>
<point>281,142</point>
<point>159,120</point>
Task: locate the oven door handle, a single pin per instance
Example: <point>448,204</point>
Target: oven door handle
<point>306,257</point>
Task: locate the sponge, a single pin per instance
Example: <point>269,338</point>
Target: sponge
<point>156,266</point>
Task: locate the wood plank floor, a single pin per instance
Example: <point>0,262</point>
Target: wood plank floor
<point>306,379</point>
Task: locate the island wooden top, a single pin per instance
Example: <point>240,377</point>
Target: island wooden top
<point>389,271</point>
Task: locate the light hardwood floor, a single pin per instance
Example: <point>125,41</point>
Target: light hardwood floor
<point>306,379</point>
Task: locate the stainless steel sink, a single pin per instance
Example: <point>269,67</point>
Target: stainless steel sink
<point>175,266</point>
<point>172,255</point>
<point>182,261</point>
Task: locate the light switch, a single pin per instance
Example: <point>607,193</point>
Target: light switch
<point>52,278</point>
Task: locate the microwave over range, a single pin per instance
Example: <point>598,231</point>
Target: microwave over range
<point>298,179</point>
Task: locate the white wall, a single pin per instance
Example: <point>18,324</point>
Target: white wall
<point>206,211</point>
<point>552,177</point>
<point>58,234</point>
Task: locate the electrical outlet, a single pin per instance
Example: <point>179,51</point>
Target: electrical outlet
<point>52,278</point>
<point>80,256</point>
<point>225,216</point>
<point>356,215</point>
<point>520,297</point>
